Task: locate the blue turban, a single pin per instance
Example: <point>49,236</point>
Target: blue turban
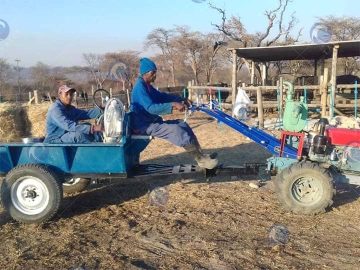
<point>146,65</point>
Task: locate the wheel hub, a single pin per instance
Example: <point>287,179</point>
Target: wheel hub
<point>29,195</point>
<point>306,190</point>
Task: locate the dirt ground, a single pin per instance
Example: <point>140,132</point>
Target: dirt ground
<point>218,224</point>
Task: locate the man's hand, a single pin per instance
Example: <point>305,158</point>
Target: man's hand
<point>96,128</point>
<point>178,106</point>
<point>187,103</point>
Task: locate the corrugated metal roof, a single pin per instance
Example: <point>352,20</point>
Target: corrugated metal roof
<point>299,52</point>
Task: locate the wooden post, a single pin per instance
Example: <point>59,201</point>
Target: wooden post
<point>50,99</point>
<point>92,90</point>
<point>260,107</point>
<point>252,73</point>
<point>315,67</point>
<point>189,90</point>
<point>110,92</point>
<point>333,79</point>
<point>323,90</point>
<point>30,96</point>
<point>234,79</point>
<point>128,97</point>
<point>263,74</point>
<point>36,97</point>
<point>281,96</point>
<point>75,98</point>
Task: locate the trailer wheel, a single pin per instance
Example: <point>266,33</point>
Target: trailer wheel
<point>305,188</point>
<point>31,193</point>
<point>75,184</point>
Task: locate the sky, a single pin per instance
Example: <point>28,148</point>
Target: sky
<point>57,32</point>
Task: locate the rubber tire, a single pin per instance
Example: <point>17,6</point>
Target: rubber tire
<point>78,187</point>
<point>47,177</point>
<point>283,187</point>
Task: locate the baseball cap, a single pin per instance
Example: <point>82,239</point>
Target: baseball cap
<point>64,88</point>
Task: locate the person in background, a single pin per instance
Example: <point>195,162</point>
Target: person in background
<point>147,104</point>
<point>62,121</point>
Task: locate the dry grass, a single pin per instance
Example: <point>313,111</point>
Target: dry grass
<point>19,121</point>
<point>37,116</point>
<point>13,123</point>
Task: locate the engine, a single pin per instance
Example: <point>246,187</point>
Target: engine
<point>339,147</point>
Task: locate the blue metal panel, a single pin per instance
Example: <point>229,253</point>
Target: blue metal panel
<point>5,160</point>
<point>68,158</point>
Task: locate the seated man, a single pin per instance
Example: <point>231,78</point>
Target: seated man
<point>62,121</point>
<point>147,104</point>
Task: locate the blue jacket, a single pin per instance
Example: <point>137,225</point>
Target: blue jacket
<point>147,104</point>
<point>61,119</point>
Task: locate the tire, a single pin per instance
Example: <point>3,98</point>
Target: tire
<point>74,185</point>
<point>31,193</point>
<point>305,188</point>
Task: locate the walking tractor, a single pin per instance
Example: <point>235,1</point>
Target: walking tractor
<point>306,164</point>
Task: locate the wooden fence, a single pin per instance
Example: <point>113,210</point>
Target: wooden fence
<point>273,97</point>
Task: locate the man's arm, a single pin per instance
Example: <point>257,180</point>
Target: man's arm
<point>166,97</point>
<point>154,108</point>
<point>63,122</point>
<point>86,114</point>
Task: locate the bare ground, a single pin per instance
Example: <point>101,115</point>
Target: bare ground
<point>221,224</point>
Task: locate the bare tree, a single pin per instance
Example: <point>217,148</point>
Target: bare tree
<point>163,39</point>
<point>190,45</point>
<point>97,68</point>
<point>344,28</point>
<point>41,75</point>
<point>213,43</point>
<point>275,32</point>
<point>5,74</point>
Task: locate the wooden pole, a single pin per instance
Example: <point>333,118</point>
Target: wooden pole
<point>36,97</point>
<point>189,90</point>
<point>110,92</point>
<point>30,96</point>
<point>281,96</point>
<point>324,89</point>
<point>252,77</point>
<point>234,79</point>
<point>50,99</point>
<point>263,74</point>
<point>333,79</point>
<point>260,107</point>
<point>128,97</point>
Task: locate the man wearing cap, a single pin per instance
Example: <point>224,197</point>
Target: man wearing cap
<point>62,121</point>
<point>147,104</point>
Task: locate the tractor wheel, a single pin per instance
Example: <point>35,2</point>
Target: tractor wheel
<point>305,188</point>
<point>31,193</point>
<point>76,184</point>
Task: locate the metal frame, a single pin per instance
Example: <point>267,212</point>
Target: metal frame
<point>271,143</point>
